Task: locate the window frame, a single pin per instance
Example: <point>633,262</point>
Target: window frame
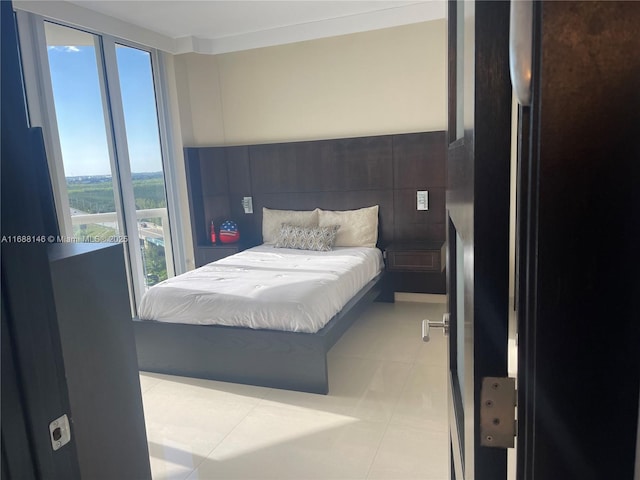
<point>41,111</point>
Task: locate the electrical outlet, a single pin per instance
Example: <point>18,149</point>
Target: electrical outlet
<point>422,200</point>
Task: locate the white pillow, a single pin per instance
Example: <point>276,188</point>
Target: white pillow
<point>358,228</point>
<point>272,220</point>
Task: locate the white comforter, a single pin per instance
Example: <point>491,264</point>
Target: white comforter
<point>265,287</point>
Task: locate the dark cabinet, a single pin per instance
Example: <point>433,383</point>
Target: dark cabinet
<point>67,340</point>
<point>100,363</point>
<point>415,267</point>
<point>210,253</point>
<point>416,257</point>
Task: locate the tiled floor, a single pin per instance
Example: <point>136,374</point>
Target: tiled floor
<point>384,418</point>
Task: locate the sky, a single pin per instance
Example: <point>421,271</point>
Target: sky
<point>79,111</point>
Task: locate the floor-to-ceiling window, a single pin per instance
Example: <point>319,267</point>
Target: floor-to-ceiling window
<point>98,100</point>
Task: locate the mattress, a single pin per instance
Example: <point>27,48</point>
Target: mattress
<point>265,288</point>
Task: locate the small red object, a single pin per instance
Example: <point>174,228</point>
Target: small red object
<point>213,233</point>
<point>229,232</point>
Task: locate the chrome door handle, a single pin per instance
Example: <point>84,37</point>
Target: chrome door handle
<point>429,324</point>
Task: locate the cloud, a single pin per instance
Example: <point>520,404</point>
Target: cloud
<point>66,48</point>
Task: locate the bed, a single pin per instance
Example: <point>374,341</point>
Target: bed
<point>332,176</point>
<point>267,315</point>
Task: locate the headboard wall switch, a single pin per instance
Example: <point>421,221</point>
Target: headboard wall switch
<point>423,200</point>
<point>247,204</point>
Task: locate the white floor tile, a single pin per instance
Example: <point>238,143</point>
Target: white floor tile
<point>400,315</point>
<point>284,442</point>
<point>361,388</point>
<point>172,460</point>
<point>391,344</point>
<point>186,418</point>
<point>411,453</point>
<point>384,417</point>
<point>148,381</point>
<point>423,401</point>
<point>434,352</point>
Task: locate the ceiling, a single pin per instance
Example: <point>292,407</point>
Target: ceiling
<point>219,26</point>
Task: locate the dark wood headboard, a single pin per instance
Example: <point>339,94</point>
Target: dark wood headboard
<point>337,174</point>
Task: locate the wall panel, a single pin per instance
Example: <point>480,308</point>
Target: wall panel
<point>335,174</point>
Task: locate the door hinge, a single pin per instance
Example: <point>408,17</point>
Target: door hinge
<point>498,412</point>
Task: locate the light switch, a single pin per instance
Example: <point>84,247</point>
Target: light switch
<point>247,204</point>
<point>423,200</point>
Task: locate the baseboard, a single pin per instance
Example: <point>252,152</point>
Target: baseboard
<point>420,297</point>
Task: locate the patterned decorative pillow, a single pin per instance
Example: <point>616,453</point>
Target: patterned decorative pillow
<point>307,238</point>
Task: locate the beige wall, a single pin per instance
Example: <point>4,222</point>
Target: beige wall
<point>372,83</point>
<point>379,82</point>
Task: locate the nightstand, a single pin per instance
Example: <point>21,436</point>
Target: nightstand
<point>416,256</point>
<point>415,267</point>
<point>210,253</point>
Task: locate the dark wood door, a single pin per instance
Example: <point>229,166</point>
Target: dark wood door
<point>33,383</point>
<point>477,206</point>
<point>59,354</point>
<point>578,314</point>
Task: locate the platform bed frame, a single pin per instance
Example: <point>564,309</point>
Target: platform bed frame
<point>269,358</point>
<point>334,174</point>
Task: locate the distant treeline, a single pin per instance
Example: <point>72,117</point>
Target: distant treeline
<point>95,194</point>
